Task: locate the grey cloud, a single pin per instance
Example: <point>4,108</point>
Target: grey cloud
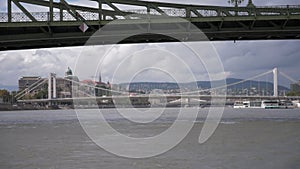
<point>241,59</point>
<point>3,6</point>
<point>126,60</point>
<point>15,64</point>
<point>246,59</point>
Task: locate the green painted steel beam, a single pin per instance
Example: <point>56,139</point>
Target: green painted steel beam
<point>218,23</point>
<point>168,20</point>
<point>77,7</point>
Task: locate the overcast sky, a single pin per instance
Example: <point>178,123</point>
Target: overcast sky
<point>242,59</point>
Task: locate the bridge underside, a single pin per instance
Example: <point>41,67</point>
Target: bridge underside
<point>62,36</point>
<point>61,29</point>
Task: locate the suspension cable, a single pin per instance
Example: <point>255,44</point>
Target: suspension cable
<point>182,93</point>
<point>288,77</point>
<point>28,87</point>
<point>31,89</point>
<point>232,84</point>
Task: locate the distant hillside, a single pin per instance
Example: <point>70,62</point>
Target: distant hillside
<point>9,88</point>
<point>148,86</point>
<point>247,84</point>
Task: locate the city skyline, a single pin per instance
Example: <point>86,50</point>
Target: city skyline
<point>38,85</point>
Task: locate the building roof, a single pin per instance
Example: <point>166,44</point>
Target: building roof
<point>30,77</point>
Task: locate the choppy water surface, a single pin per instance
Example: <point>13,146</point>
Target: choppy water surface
<point>245,138</point>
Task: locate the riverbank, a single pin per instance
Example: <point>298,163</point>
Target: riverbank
<point>15,107</point>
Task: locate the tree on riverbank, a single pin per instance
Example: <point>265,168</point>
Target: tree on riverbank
<point>293,93</point>
<point>5,95</point>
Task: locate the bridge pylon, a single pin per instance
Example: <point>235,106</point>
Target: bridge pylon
<point>52,86</point>
<point>275,82</point>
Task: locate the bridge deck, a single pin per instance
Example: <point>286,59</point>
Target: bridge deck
<point>169,97</point>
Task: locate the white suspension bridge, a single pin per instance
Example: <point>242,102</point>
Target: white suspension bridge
<point>189,96</point>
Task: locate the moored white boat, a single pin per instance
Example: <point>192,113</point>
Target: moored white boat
<point>265,104</point>
<point>241,104</point>
<point>277,104</point>
<point>270,104</point>
<point>285,104</point>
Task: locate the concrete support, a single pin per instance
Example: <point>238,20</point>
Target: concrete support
<point>275,82</point>
<point>54,86</point>
<point>50,86</point>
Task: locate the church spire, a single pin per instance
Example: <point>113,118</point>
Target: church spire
<point>100,80</point>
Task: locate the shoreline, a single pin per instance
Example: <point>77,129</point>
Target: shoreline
<point>25,108</point>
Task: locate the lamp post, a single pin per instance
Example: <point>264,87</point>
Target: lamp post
<point>250,4</point>
<point>235,2</point>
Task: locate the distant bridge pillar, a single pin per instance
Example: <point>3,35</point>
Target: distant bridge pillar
<point>49,86</point>
<point>52,86</point>
<point>275,82</point>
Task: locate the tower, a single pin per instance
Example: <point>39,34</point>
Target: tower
<point>52,86</point>
<point>100,80</point>
<point>275,81</point>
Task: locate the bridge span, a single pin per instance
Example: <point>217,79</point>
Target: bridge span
<point>65,24</point>
<point>81,93</point>
<point>169,98</point>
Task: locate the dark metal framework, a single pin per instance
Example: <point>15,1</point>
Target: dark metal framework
<point>58,26</point>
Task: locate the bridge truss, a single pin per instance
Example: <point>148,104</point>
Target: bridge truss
<point>58,26</point>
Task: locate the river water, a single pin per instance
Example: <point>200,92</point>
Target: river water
<point>245,138</point>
